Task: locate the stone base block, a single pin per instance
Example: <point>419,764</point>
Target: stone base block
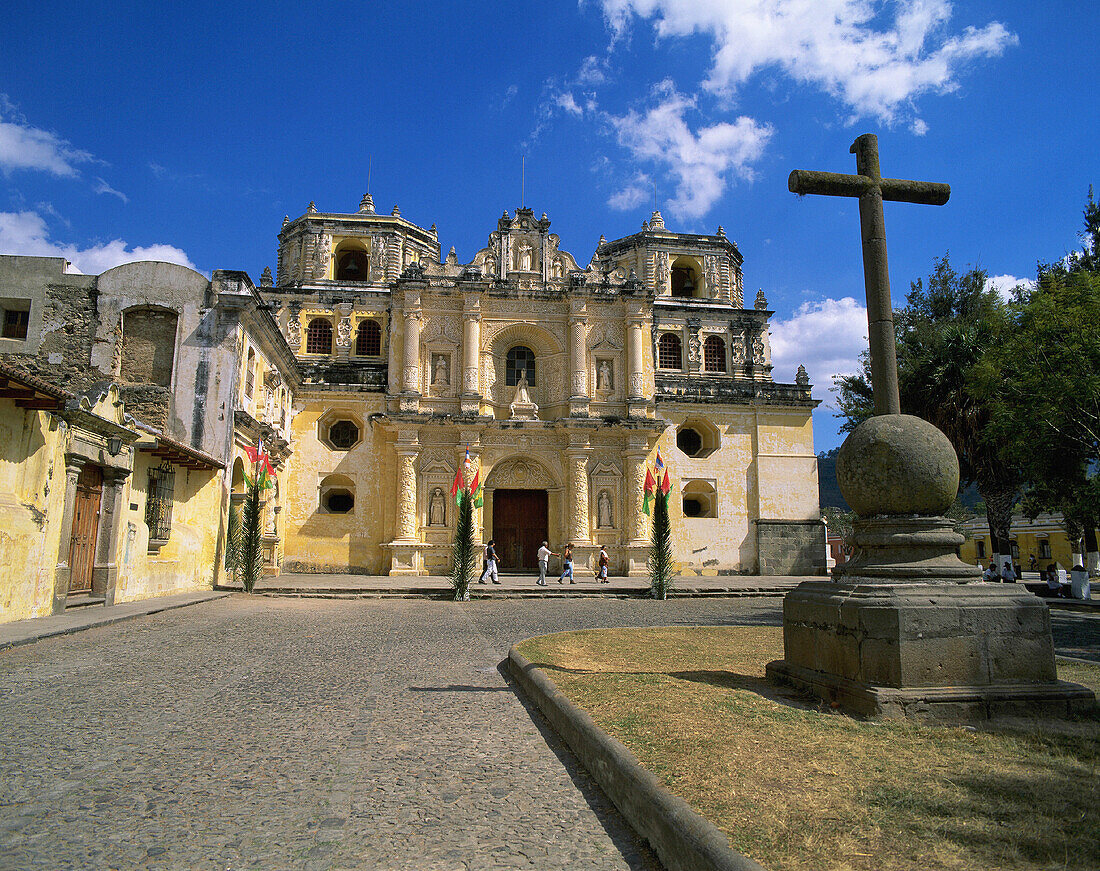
<point>406,558</point>
<point>936,651</point>
<point>939,704</point>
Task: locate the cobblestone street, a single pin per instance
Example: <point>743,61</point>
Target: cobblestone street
<point>316,734</point>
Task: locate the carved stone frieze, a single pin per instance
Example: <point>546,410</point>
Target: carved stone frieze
<point>343,332</point>
<point>518,474</point>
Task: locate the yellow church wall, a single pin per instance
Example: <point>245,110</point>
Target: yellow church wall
<point>322,541</point>
<point>786,466</point>
<point>188,560</point>
<point>32,497</point>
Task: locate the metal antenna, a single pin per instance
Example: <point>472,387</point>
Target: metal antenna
<point>654,194</point>
<point>370,166</point>
<point>523,183</point>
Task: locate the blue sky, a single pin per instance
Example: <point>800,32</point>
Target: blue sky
<point>132,131</point>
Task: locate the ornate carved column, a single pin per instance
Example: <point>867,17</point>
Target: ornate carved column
<point>578,370</point>
<point>470,400</point>
<point>639,386</point>
<point>578,484</point>
<point>105,573</point>
<point>408,448</point>
<point>63,571</point>
<point>411,370</point>
<point>637,523</point>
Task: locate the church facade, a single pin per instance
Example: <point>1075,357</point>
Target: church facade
<point>559,378</point>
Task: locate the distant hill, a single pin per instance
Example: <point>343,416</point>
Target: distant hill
<point>829,495</point>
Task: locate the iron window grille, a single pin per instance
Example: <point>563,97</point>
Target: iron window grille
<point>668,352</point>
<point>368,339</point>
<point>158,501</point>
<point>319,337</point>
<point>714,354</point>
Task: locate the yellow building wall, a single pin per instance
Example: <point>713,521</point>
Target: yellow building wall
<point>32,501</point>
<point>314,539</point>
<point>187,561</point>
<point>763,467</point>
<point>1029,543</point>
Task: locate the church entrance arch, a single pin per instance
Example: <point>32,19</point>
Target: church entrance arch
<point>520,526</point>
<point>518,490</point>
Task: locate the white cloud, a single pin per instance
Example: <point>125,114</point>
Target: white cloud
<point>632,195</point>
<point>874,56</point>
<point>26,233</point>
<point>101,187</point>
<point>826,336</point>
<point>700,161</point>
<point>23,146</point>
<point>565,101</point>
<point>1004,284</point>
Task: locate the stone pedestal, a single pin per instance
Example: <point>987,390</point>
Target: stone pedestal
<point>949,652</point>
<point>905,628</point>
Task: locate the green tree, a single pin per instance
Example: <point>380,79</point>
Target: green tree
<point>944,335</point>
<point>660,556</point>
<point>232,539</point>
<point>251,561</point>
<point>1048,401</point>
<point>463,551</point>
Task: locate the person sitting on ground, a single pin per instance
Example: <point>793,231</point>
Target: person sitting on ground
<point>1054,586</point>
<point>544,560</point>
<point>1008,574</point>
<point>990,574</point>
<point>567,564</point>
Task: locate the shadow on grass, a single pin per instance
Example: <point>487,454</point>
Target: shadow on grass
<point>730,680</point>
<point>1043,818</point>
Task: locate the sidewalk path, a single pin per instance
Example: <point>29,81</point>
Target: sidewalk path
<point>28,631</point>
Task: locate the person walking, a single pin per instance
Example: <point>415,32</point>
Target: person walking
<point>601,570</point>
<point>544,560</point>
<point>490,570</point>
<point>567,564</point>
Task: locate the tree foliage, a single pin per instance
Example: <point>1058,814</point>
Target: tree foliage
<point>660,557</point>
<point>463,551</point>
<point>1047,374</point>
<point>251,561</point>
<point>232,538</point>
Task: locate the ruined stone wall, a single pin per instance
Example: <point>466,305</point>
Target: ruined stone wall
<point>148,347</point>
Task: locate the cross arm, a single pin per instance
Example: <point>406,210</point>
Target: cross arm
<point>836,184</point>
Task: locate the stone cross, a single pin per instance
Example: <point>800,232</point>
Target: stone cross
<point>872,189</point>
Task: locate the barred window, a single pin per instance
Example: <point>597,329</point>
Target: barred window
<point>368,339</point>
<point>352,266</point>
<point>319,336</point>
<point>519,359</point>
<point>668,352</point>
<point>714,354</point>
<point>158,501</point>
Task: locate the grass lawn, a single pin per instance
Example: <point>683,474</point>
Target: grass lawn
<point>794,786</point>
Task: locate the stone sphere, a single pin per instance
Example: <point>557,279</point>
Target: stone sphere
<point>897,464</point>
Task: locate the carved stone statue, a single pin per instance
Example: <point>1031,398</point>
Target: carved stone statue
<point>525,257</point>
<point>437,508</point>
<point>490,266</point>
<point>522,407</point>
<point>603,510</point>
<point>603,375</point>
<point>440,375</point>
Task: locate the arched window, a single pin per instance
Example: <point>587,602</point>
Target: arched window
<point>519,359</point>
<point>352,265</point>
<point>668,352</point>
<point>368,339</point>
<point>319,336</point>
<point>714,354</point>
<point>250,374</point>
<point>685,278</point>
<point>148,346</point>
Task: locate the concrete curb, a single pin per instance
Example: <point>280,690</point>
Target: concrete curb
<point>17,634</point>
<point>682,839</point>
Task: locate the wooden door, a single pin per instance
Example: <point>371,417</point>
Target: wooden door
<point>89,493</point>
<point>520,525</point>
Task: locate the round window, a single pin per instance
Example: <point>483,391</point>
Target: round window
<point>339,501</point>
<point>689,441</point>
<point>343,434</point>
